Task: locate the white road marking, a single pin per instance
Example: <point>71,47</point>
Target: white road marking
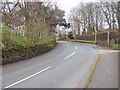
<point>76,48</point>
<point>99,53</point>
<point>71,54</point>
<point>28,77</point>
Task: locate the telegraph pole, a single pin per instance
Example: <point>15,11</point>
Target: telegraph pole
<point>95,36</point>
<point>108,38</point>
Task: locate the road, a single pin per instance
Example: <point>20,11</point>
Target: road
<point>66,66</point>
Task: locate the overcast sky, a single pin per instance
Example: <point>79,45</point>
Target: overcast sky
<point>67,5</point>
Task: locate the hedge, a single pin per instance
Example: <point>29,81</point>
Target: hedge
<point>21,53</point>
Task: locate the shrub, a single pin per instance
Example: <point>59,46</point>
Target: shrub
<point>70,35</point>
<point>117,41</point>
<point>45,40</point>
<point>7,37</point>
<point>22,41</point>
<point>117,47</point>
<point>24,52</point>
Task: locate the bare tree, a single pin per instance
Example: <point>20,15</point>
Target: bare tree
<point>111,13</point>
<point>93,17</point>
<point>32,19</point>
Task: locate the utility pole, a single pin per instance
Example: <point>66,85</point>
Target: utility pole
<point>95,36</point>
<point>108,38</point>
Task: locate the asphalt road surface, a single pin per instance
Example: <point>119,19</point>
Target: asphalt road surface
<point>66,66</point>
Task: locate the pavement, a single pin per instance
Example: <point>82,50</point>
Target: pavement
<point>106,73</point>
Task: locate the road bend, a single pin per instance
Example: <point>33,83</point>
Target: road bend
<point>66,66</point>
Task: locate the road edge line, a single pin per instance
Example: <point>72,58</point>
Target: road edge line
<point>89,79</point>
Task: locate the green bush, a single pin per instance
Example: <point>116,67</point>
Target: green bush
<point>46,40</point>
<point>15,46</point>
<point>22,52</point>
<point>10,40</point>
<point>70,35</point>
<point>22,41</point>
<point>116,47</point>
<point>6,34</point>
<point>117,41</point>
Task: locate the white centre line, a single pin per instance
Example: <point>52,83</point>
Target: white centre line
<point>71,54</point>
<point>76,48</point>
<point>28,77</point>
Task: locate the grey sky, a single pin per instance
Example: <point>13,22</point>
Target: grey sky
<point>67,5</point>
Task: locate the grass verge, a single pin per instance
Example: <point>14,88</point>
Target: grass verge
<point>84,41</point>
<point>92,72</point>
<point>116,47</point>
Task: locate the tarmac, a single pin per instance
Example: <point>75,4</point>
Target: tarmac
<point>106,73</point>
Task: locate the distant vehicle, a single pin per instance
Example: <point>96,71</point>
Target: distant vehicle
<point>70,35</point>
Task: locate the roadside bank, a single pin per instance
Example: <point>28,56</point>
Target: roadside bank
<point>23,53</point>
